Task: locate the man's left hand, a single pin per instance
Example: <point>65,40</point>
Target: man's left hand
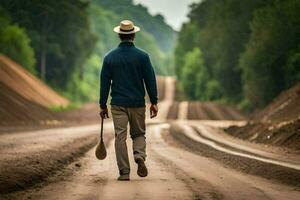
<point>153,110</point>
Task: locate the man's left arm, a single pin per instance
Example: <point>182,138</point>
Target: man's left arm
<point>150,82</point>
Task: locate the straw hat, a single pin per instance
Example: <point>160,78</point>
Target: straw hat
<point>126,27</point>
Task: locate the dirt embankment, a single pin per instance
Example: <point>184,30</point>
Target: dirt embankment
<point>17,110</point>
<point>277,124</point>
<point>25,102</point>
<point>27,85</point>
<point>285,134</point>
<point>28,158</point>
<point>285,107</point>
<point>24,98</point>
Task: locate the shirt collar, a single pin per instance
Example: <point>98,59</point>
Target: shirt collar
<point>126,43</point>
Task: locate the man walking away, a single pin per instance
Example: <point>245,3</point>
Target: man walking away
<point>125,70</point>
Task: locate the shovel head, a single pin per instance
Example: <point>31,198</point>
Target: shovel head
<point>100,151</point>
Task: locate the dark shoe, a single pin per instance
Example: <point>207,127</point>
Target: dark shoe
<point>142,169</point>
<point>124,177</point>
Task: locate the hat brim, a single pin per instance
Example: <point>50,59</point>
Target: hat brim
<point>117,30</point>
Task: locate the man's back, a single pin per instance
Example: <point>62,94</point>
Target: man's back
<point>126,68</point>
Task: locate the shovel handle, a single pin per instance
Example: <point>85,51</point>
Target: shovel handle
<point>101,130</point>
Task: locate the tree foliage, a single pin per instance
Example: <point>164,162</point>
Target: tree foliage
<point>103,19</point>
<point>202,87</point>
<point>250,48</point>
<point>62,39</point>
<point>155,25</point>
<point>270,63</point>
<point>60,35</point>
<point>15,43</point>
<point>156,36</point>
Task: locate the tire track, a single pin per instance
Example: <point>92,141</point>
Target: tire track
<point>247,165</point>
<point>227,183</point>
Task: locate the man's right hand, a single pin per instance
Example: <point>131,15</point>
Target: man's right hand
<point>104,113</point>
<point>153,110</point>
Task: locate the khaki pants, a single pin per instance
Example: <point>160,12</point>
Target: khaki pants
<point>136,119</point>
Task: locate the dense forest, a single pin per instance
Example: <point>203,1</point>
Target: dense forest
<point>239,52</point>
<point>63,42</point>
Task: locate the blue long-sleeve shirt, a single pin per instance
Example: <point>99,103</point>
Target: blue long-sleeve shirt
<point>126,69</point>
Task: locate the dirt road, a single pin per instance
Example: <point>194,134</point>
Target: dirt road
<point>174,171</point>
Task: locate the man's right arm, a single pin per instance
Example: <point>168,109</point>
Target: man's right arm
<point>105,82</point>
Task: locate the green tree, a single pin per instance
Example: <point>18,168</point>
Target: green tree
<point>220,28</point>
<point>194,84</point>
<point>103,21</point>
<point>292,68</point>
<point>15,44</point>
<point>187,40</point>
<point>60,35</point>
<point>87,88</point>
<point>269,63</point>
<point>155,25</point>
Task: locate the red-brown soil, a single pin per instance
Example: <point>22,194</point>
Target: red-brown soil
<point>24,98</point>
<point>285,107</point>
<point>17,110</point>
<point>28,86</point>
<point>284,135</point>
<point>277,124</point>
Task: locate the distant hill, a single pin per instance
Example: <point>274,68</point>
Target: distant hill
<point>155,25</point>
<point>155,37</point>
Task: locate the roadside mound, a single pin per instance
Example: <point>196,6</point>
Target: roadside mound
<point>285,135</point>
<point>24,98</point>
<point>285,107</point>
<point>28,86</point>
<point>277,124</point>
<point>16,110</point>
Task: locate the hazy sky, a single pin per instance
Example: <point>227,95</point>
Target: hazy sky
<point>174,11</point>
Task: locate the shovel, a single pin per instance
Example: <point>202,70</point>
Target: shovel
<point>100,149</point>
